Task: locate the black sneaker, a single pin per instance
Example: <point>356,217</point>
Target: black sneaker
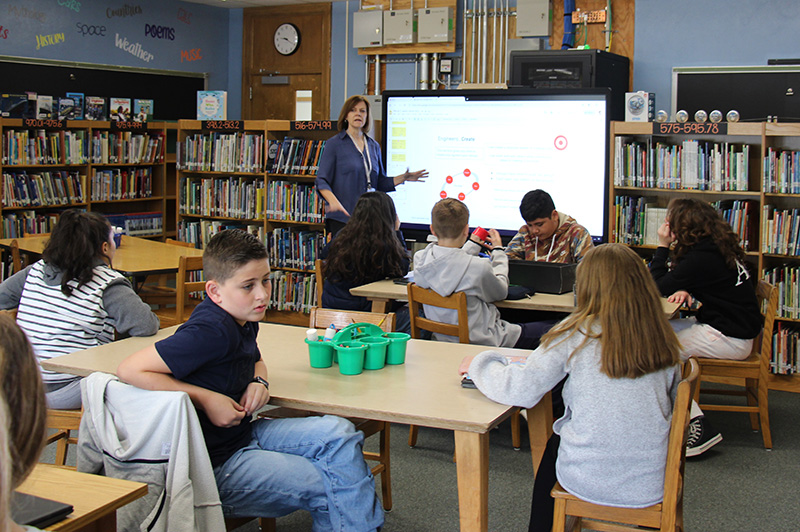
<point>701,437</point>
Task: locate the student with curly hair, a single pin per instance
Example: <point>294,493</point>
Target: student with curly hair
<point>369,248</point>
<point>73,299</point>
<point>707,266</point>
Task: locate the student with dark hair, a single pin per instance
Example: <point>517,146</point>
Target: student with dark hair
<point>72,299</point>
<point>548,235</point>
<point>369,248</point>
<point>351,164</point>
<point>263,467</point>
<point>708,265</point>
<point>23,413</point>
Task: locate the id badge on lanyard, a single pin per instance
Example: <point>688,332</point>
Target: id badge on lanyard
<point>367,166</point>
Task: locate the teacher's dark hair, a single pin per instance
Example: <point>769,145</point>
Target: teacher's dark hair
<point>76,244</point>
<point>348,106</point>
<point>367,247</point>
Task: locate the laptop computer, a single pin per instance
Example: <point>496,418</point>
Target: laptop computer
<point>547,277</point>
<point>36,511</point>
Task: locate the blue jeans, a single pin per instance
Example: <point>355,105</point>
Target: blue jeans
<point>311,463</point>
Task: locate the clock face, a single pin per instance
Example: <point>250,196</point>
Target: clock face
<point>287,39</point>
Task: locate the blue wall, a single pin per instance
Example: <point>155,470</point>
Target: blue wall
<point>674,33</point>
<point>681,33</point>
<point>182,36</point>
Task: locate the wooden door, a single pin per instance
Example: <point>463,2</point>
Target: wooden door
<point>308,68</point>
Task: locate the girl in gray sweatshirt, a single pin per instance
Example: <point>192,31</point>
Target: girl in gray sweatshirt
<point>621,358</point>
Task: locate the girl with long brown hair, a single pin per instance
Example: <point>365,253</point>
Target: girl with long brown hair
<point>621,360</point>
<point>707,266</point>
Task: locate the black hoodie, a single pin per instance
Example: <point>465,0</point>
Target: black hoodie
<point>728,295</point>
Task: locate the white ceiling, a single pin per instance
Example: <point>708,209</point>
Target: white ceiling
<point>231,4</point>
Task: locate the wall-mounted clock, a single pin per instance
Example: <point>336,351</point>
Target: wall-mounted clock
<point>287,39</point>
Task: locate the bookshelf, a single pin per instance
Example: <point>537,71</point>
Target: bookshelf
<point>248,175</point>
<point>48,166</point>
<point>751,172</point>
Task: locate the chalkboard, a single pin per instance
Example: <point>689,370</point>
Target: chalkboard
<point>174,93</point>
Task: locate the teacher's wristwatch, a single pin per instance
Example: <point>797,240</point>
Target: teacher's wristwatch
<point>261,380</point>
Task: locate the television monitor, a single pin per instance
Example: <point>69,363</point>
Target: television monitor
<point>489,147</point>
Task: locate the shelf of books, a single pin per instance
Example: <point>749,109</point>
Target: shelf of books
<point>751,173</point>
<point>49,166</point>
<point>257,176</point>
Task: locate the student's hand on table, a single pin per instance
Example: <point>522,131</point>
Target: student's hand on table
<point>223,411</point>
<point>255,396</point>
<point>681,297</point>
<point>463,368</point>
<point>665,235</point>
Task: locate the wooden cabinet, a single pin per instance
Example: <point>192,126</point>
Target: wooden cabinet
<point>751,172</point>
<point>259,178</point>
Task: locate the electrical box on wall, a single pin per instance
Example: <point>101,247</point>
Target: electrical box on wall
<point>435,24</point>
<point>367,29</point>
<point>399,27</point>
<point>533,18</point>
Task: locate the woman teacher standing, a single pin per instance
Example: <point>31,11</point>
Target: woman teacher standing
<point>351,164</point>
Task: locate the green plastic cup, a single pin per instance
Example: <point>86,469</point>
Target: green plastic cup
<point>351,356</point>
<point>320,353</point>
<point>396,352</point>
<point>376,351</point>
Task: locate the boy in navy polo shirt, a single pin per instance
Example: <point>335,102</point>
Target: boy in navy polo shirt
<point>267,467</point>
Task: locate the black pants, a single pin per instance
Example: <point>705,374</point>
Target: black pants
<point>542,503</point>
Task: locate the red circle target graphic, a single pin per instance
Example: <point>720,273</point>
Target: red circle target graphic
<point>560,142</point>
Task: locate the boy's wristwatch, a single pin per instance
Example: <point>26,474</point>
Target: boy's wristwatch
<point>261,380</point>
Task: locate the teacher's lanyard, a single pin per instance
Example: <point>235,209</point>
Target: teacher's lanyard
<point>366,160</point>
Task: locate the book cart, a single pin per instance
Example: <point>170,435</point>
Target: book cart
<point>750,172</point>
<point>116,169</point>
<point>257,175</point>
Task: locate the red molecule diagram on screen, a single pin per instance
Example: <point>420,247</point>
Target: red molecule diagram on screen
<point>459,185</point>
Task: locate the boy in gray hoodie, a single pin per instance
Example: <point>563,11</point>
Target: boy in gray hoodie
<point>452,265</point>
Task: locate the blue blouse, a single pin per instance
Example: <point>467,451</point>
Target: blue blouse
<point>342,170</point>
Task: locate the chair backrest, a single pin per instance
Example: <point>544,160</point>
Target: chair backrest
<point>185,286</point>
<point>676,450</point>
<point>174,242</point>
<point>319,274</point>
<point>457,301</point>
<point>321,318</point>
<point>11,313</point>
<point>16,259</point>
<point>768,301</point>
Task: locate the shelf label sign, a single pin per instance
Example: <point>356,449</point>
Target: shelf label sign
<point>311,125</point>
<point>128,126</point>
<point>44,123</point>
<point>222,125</point>
<point>690,128</point>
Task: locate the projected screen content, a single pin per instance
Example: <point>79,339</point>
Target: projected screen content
<point>489,148</point>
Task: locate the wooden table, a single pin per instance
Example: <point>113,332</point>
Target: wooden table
<point>135,256</point>
<point>424,391</point>
<point>382,293</point>
<point>95,498</point>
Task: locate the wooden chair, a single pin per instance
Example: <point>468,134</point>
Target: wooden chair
<point>16,259</point>
<point>458,301</point>
<point>666,516</point>
<point>319,275</point>
<point>63,422</point>
<point>184,304</point>
<point>161,294</point>
<point>321,318</point>
<point>751,373</point>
